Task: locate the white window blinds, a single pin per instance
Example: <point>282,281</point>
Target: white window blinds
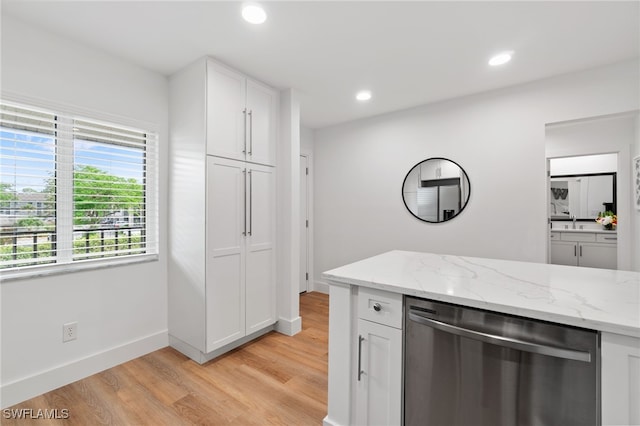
<point>74,189</point>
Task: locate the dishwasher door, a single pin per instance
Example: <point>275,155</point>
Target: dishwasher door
<point>470,367</point>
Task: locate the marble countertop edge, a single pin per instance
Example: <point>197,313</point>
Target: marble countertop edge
<point>601,318</point>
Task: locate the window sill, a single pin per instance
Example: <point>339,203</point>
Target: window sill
<point>30,272</point>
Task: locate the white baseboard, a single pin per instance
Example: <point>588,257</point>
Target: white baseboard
<point>289,327</point>
<point>32,386</point>
<point>328,422</point>
<point>201,357</point>
<point>321,287</point>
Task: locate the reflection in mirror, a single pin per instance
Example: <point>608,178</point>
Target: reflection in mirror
<point>582,196</point>
<point>436,190</point>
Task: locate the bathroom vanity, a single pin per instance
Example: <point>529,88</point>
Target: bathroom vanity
<point>367,325</point>
<point>584,247</point>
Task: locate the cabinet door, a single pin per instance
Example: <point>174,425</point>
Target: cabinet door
<point>379,387</point>
<point>260,284</point>
<point>597,255</point>
<point>226,114</point>
<point>261,127</point>
<point>620,379</point>
<point>225,252</point>
<point>564,253</point>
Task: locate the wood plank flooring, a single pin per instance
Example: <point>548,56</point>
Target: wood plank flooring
<point>275,380</point>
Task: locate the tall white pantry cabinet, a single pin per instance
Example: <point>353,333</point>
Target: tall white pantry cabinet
<point>222,290</point>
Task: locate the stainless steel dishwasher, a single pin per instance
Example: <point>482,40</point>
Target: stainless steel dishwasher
<point>469,367</point>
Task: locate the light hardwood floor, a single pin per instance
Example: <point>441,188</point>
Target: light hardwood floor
<point>275,380</point>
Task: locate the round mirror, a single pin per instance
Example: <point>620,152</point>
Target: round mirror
<point>436,190</point>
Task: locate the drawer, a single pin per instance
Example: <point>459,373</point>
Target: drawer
<point>554,236</point>
<point>578,236</point>
<point>607,238</point>
<point>380,306</point>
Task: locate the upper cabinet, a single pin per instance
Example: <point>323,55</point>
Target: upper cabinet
<point>439,168</point>
<point>241,116</point>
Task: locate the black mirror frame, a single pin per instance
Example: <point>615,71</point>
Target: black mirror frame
<point>614,191</point>
<point>463,205</point>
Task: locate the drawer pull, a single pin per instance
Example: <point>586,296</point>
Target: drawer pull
<point>377,307</point>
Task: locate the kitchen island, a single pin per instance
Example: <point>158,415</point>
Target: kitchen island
<point>369,294</point>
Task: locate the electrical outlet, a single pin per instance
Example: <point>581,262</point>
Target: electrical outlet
<point>69,331</point>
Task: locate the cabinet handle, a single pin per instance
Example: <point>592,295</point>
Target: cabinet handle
<point>575,251</point>
<point>250,132</point>
<point>360,339</point>
<point>611,238</point>
<point>244,174</point>
<point>377,307</point>
<point>244,114</point>
<point>580,251</point>
<point>250,203</point>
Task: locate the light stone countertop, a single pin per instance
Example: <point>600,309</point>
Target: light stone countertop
<point>585,230</point>
<point>599,299</point>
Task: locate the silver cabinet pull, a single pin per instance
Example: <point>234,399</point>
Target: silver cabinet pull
<point>580,251</point>
<point>250,203</point>
<point>244,114</point>
<point>377,307</point>
<point>506,342</point>
<point>360,339</point>
<point>575,251</point>
<point>250,132</point>
<point>244,175</point>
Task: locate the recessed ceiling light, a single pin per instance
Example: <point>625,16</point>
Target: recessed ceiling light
<point>500,59</point>
<point>254,13</point>
<point>363,95</point>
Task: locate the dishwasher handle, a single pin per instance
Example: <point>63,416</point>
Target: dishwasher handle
<point>507,342</point>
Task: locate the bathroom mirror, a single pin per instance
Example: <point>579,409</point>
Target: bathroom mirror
<point>436,190</point>
<point>582,195</point>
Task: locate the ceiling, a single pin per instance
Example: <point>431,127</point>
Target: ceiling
<point>406,53</point>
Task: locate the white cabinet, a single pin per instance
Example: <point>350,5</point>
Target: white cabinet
<point>439,169</point>
<point>221,213</point>
<point>588,249</point>
<point>620,380</point>
<point>240,273</point>
<point>378,383</point>
<point>241,116</point>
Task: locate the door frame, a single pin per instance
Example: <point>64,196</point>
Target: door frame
<point>311,285</point>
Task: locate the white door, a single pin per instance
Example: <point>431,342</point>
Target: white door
<point>261,272</point>
<point>225,252</point>
<point>226,112</point>
<point>261,123</point>
<point>304,229</point>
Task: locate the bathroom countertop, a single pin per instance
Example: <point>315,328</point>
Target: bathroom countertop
<point>599,299</point>
<point>590,230</point>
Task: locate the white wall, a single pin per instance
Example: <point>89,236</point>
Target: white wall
<point>601,163</point>
<point>635,254</point>
<point>614,134</point>
<point>497,137</point>
<point>288,214</point>
<point>121,311</point>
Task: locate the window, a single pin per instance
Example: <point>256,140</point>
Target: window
<point>74,191</point>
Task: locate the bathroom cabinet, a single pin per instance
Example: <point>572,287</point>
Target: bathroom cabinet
<point>584,248</point>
